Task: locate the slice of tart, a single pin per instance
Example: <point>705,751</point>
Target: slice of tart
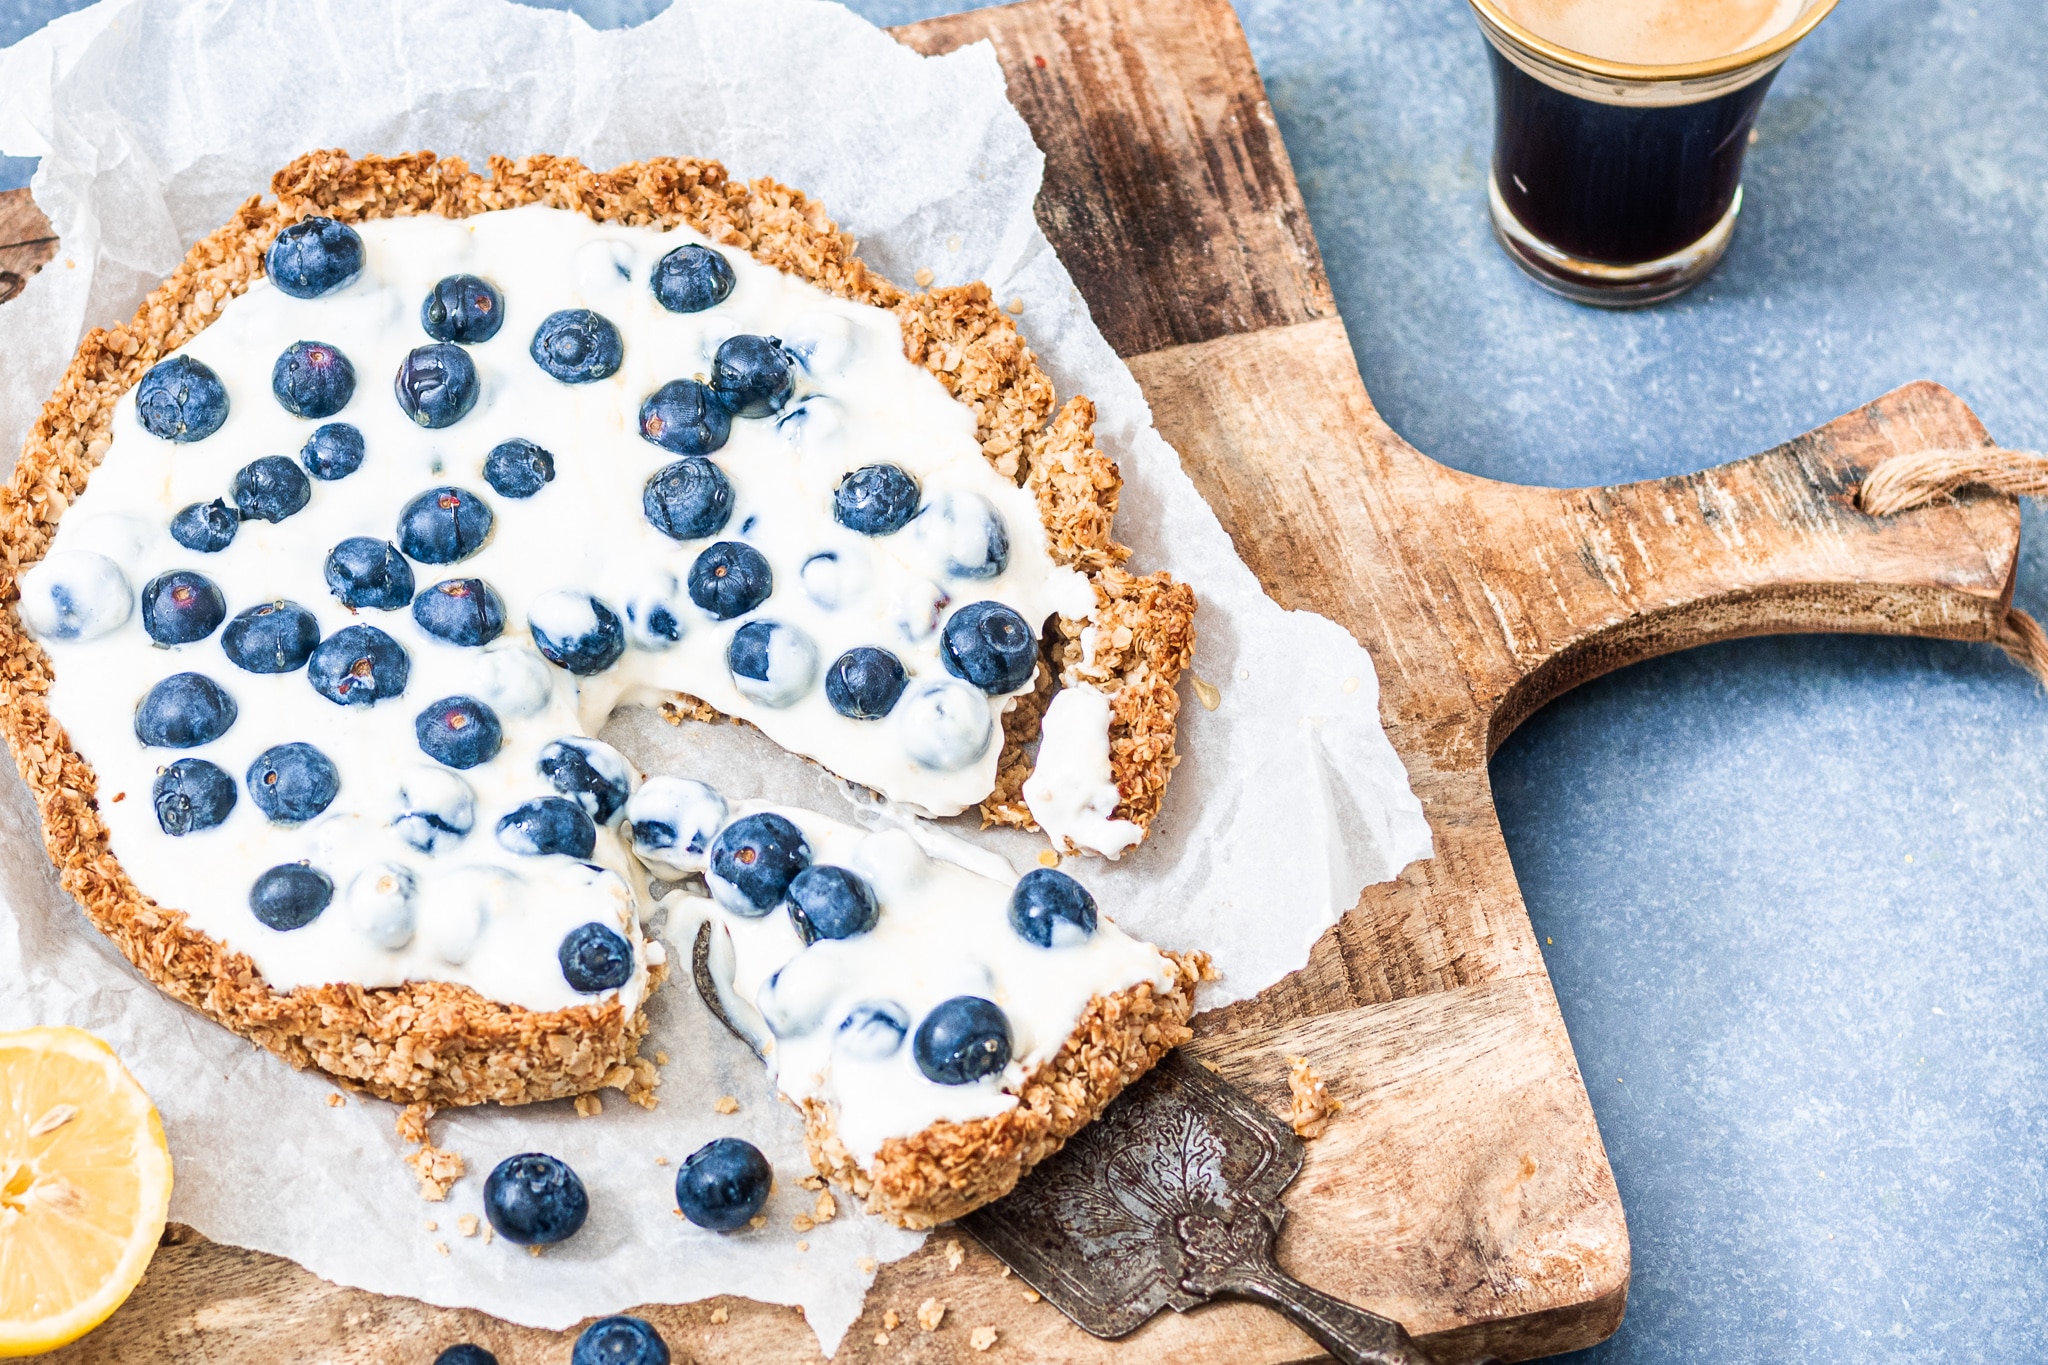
<point>326,569</point>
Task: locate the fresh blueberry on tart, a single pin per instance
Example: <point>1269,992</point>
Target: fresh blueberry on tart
<point>314,256</point>
<point>290,896</point>
<point>753,861</point>
<point>181,399</point>
<point>672,821</point>
<point>275,637</point>
<point>184,711</point>
<point>619,1341</point>
<point>991,646</point>
<point>444,525</point>
<point>872,1030</point>
<point>831,902</point>
<point>575,631</point>
<point>363,571</point>
<point>691,279</point>
<point>546,826</point>
<point>1051,909</point>
<point>772,663</point>
<point>292,783</point>
<point>730,579</point>
<point>962,535</point>
<point>191,795</point>
<point>595,958</point>
<point>181,607</point>
<point>578,346</point>
<point>271,489</point>
<point>459,731</point>
<point>333,451</point>
<point>518,468</point>
<point>589,772</point>
<point>462,611</point>
<point>359,666</point>
<point>865,683</point>
<point>464,309</point>
<point>751,376</point>
<point>688,500</point>
<point>961,1041</point>
<point>436,809</point>
<point>312,379</point>
<point>685,417</point>
<point>436,385</point>
<point>875,500</point>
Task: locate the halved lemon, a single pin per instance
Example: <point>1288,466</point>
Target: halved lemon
<point>85,1182</point>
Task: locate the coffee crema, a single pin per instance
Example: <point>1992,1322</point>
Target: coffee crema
<point>1655,32</point>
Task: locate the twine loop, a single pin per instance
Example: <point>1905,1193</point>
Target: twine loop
<point>1903,482</point>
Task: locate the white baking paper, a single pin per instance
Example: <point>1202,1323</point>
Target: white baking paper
<point>154,119</point>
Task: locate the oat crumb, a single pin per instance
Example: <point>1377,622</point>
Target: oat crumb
<point>433,1226</point>
<point>827,1208</point>
<point>866,1265</point>
<point>930,1314</point>
<point>1048,857</point>
<point>982,1338</point>
<point>336,1101</point>
<point>954,1255</point>
<point>953,242</point>
<point>1032,1295</point>
<point>891,1320</point>
<point>661,1161</point>
<point>490,1234</point>
<point>1006,1272</point>
<point>661,1059</point>
<point>803,1222</point>
<point>1016,305</point>
<point>589,1106</point>
<point>881,1338</point>
<point>441,1247</point>
<point>727,1105</point>
<point>719,1315</point>
<point>1313,1106</point>
<point>1207,692</point>
<point>811,1182</point>
<point>924,278</point>
<point>802,1245</point>
<point>533,1251</point>
<point>466,1225</point>
<point>759,1220</point>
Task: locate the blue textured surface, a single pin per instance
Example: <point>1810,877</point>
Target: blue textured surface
<point>1792,891</point>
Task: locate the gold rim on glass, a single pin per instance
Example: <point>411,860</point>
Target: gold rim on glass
<point>1682,71</point>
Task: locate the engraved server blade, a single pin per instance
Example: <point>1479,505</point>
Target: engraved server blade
<point>1170,1199</point>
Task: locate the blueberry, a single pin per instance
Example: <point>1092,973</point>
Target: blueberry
<point>184,711</point>
<point>436,385</point>
<point>577,346</point>
<point>292,783</point>
<point>459,731</point>
<point>685,417</point>
<point>312,379</point>
<point>535,1200</point>
<point>190,795</point>
<point>181,607</point>
<point>332,452</point>
<point>672,822</point>
<point>518,468</point>
<point>962,534</point>
<point>443,525</point>
<point>772,663</point>
<point>465,1353</point>
<point>990,646</point>
<point>654,612</point>
<point>436,809</point>
<point>463,308</point>
<point>276,637</point>
<point>181,399</point>
<point>751,376</point>
<point>358,666</point>
<point>1051,909</point>
<point>730,579</point>
<point>462,611</point>
<point>688,500</point>
<point>692,278</point>
<point>595,959</point>
<point>873,1030</point>
<point>589,772</point>
<point>206,527</point>
<point>830,902</point>
<point>576,631</point>
<point>961,1041</point>
<point>875,500</point>
<point>864,683</point>
<point>271,489</point>
<point>75,595</point>
<point>945,725</point>
<point>383,904</point>
<point>619,1341</point>
<point>365,572</point>
<point>548,825</point>
<point>723,1184</point>
<point>833,578</point>
<point>290,896</point>
<point>753,860</point>
<point>314,256</point>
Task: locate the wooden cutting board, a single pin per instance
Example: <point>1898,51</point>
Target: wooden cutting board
<point>1464,1189</point>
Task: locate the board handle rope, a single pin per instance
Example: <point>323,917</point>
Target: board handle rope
<point>1903,482</point>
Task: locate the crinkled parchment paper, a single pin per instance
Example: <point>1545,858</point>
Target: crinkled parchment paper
<point>155,120</point>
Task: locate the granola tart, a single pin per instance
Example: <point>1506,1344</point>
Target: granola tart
<point>443,1042</point>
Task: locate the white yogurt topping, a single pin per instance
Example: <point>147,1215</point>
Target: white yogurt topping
<point>457,906</point>
<point>1071,792</point>
<point>944,931</point>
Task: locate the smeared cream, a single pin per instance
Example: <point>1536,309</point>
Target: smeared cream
<point>1071,792</point>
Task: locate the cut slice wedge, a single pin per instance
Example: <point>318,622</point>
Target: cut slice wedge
<point>85,1183</point>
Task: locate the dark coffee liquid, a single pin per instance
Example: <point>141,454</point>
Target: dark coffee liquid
<point>1617,184</point>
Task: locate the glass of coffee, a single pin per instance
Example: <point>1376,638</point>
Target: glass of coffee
<point>1619,132</point>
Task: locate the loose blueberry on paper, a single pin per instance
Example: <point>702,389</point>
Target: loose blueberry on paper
<point>292,783</point>
<point>290,896</point>
<point>535,1200</point>
<point>181,399</point>
<point>753,860</point>
<point>184,711</point>
<point>365,572</point>
<point>192,795</point>
<point>961,1041</point>
<point>619,1341</point>
<point>723,1184</point>
<point>314,256</point>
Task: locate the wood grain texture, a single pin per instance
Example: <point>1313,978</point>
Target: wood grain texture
<point>26,241</point>
<point>1463,1189</point>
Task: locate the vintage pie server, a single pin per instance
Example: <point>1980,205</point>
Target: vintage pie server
<point>1170,1199</point>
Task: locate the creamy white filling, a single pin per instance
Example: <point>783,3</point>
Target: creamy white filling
<point>943,931</point>
<point>484,916</point>
<point>1071,792</point>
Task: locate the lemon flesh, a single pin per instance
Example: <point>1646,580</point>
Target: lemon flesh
<point>85,1183</point>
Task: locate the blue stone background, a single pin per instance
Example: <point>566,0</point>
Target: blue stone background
<point>1791,891</point>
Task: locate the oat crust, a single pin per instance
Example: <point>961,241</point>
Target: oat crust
<point>435,1042</point>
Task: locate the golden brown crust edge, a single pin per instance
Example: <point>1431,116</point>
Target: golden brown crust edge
<point>950,1169</point>
<point>432,1042</point>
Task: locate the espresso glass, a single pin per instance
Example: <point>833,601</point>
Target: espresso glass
<point>1617,184</point>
